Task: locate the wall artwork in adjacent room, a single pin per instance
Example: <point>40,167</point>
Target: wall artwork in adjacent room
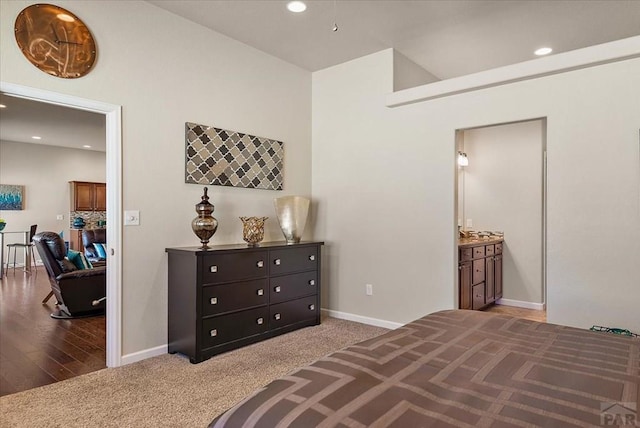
<point>229,158</point>
<point>11,197</point>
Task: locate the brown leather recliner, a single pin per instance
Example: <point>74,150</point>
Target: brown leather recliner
<point>89,237</point>
<point>79,293</point>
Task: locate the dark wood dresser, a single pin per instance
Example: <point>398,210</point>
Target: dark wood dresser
<point>229,296</point>
<point>480,272</point>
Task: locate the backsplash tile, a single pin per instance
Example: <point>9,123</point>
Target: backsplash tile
<point>91,218</point>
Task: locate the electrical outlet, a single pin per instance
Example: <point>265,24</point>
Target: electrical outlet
<point>469,222</point>
<point>369,289</point>
<point>60,217</point>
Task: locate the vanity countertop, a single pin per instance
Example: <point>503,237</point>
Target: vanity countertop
<point>470,242</point>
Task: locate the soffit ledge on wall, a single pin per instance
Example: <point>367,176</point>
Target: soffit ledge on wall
<point>618,50</point>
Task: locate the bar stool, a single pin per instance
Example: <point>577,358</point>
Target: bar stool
<point>27,247</point>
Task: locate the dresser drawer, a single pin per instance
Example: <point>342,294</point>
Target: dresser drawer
<point>478,251</point>
<point>287,287</point>
<point>466,254</point>
<point>499,248</point>
<point>227,328</point>
<point>489,250</point>
<point>234,267</point>
<point>217,299</point>
<point>293,260</point>
<point>478,271</point>
<point>477,292</point>
<point>283,314</point>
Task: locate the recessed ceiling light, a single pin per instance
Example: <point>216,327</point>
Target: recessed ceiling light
<point>543,51</point>
<point>3,106</point>
<point>86,146</point>
<point>35,137</point>
<point>296,6</point>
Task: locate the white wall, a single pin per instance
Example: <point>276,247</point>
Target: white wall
<point>503,191</point>
<point>166,71</point>
<point>377,201</point>
<point>407,74</point>
<point>384,179</point>
<point>45,171</point>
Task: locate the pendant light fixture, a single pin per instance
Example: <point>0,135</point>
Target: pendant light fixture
<point>335,7</point>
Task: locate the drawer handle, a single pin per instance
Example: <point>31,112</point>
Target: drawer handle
<point>260,264</point>
<point>213,300</point>
<point>312,257</point>
<point>260,320</point>
<point>312,307</point>
<point>276,289</point>
<point>276,262</point>
<point>213,333</point>
<point>260,292</point>
<point>312,282</point>
<point>276,316</point>
<point>213,269</point>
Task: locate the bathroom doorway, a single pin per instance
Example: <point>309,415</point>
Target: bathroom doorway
<point>503,189</point>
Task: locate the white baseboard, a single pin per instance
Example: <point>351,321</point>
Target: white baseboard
<point>163,349</point>
<point>520,304</point>
<point>361,319</point>
<point>144,354</point>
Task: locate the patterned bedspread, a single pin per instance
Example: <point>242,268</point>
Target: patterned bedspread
<point>458,369</point>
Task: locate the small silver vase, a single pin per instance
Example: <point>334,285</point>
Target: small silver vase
<point>292,214</point>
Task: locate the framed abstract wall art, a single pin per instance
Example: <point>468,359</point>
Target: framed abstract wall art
<point>11,197</point>
<point>228,158</point>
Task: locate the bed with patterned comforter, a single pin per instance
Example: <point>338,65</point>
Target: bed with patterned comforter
<point>458,369</point>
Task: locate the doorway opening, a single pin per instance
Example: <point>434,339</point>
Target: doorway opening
<point>113,118</point>
<point>502,192</point>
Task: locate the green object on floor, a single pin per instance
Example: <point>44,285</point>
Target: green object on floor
<point>613,330</point>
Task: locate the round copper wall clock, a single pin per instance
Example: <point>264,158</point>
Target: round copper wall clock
<point>55,40</point>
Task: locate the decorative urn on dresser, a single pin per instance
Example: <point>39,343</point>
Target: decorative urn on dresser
<point>228,296</point>
<point>205,225</point>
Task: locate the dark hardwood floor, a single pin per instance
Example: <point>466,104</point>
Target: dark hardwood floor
<point>36,349</point>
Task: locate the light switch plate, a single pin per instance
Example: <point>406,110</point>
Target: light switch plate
<point>60,217</point>
<point>132,218</point>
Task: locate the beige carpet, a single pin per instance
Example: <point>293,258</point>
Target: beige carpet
<point>169,391</point>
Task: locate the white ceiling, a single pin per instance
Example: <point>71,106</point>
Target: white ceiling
<point>446,38</point>
<point>57,125</point>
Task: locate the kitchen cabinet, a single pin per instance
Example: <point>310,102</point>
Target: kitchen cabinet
<point>75,240</point>
<point>88,196</point>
